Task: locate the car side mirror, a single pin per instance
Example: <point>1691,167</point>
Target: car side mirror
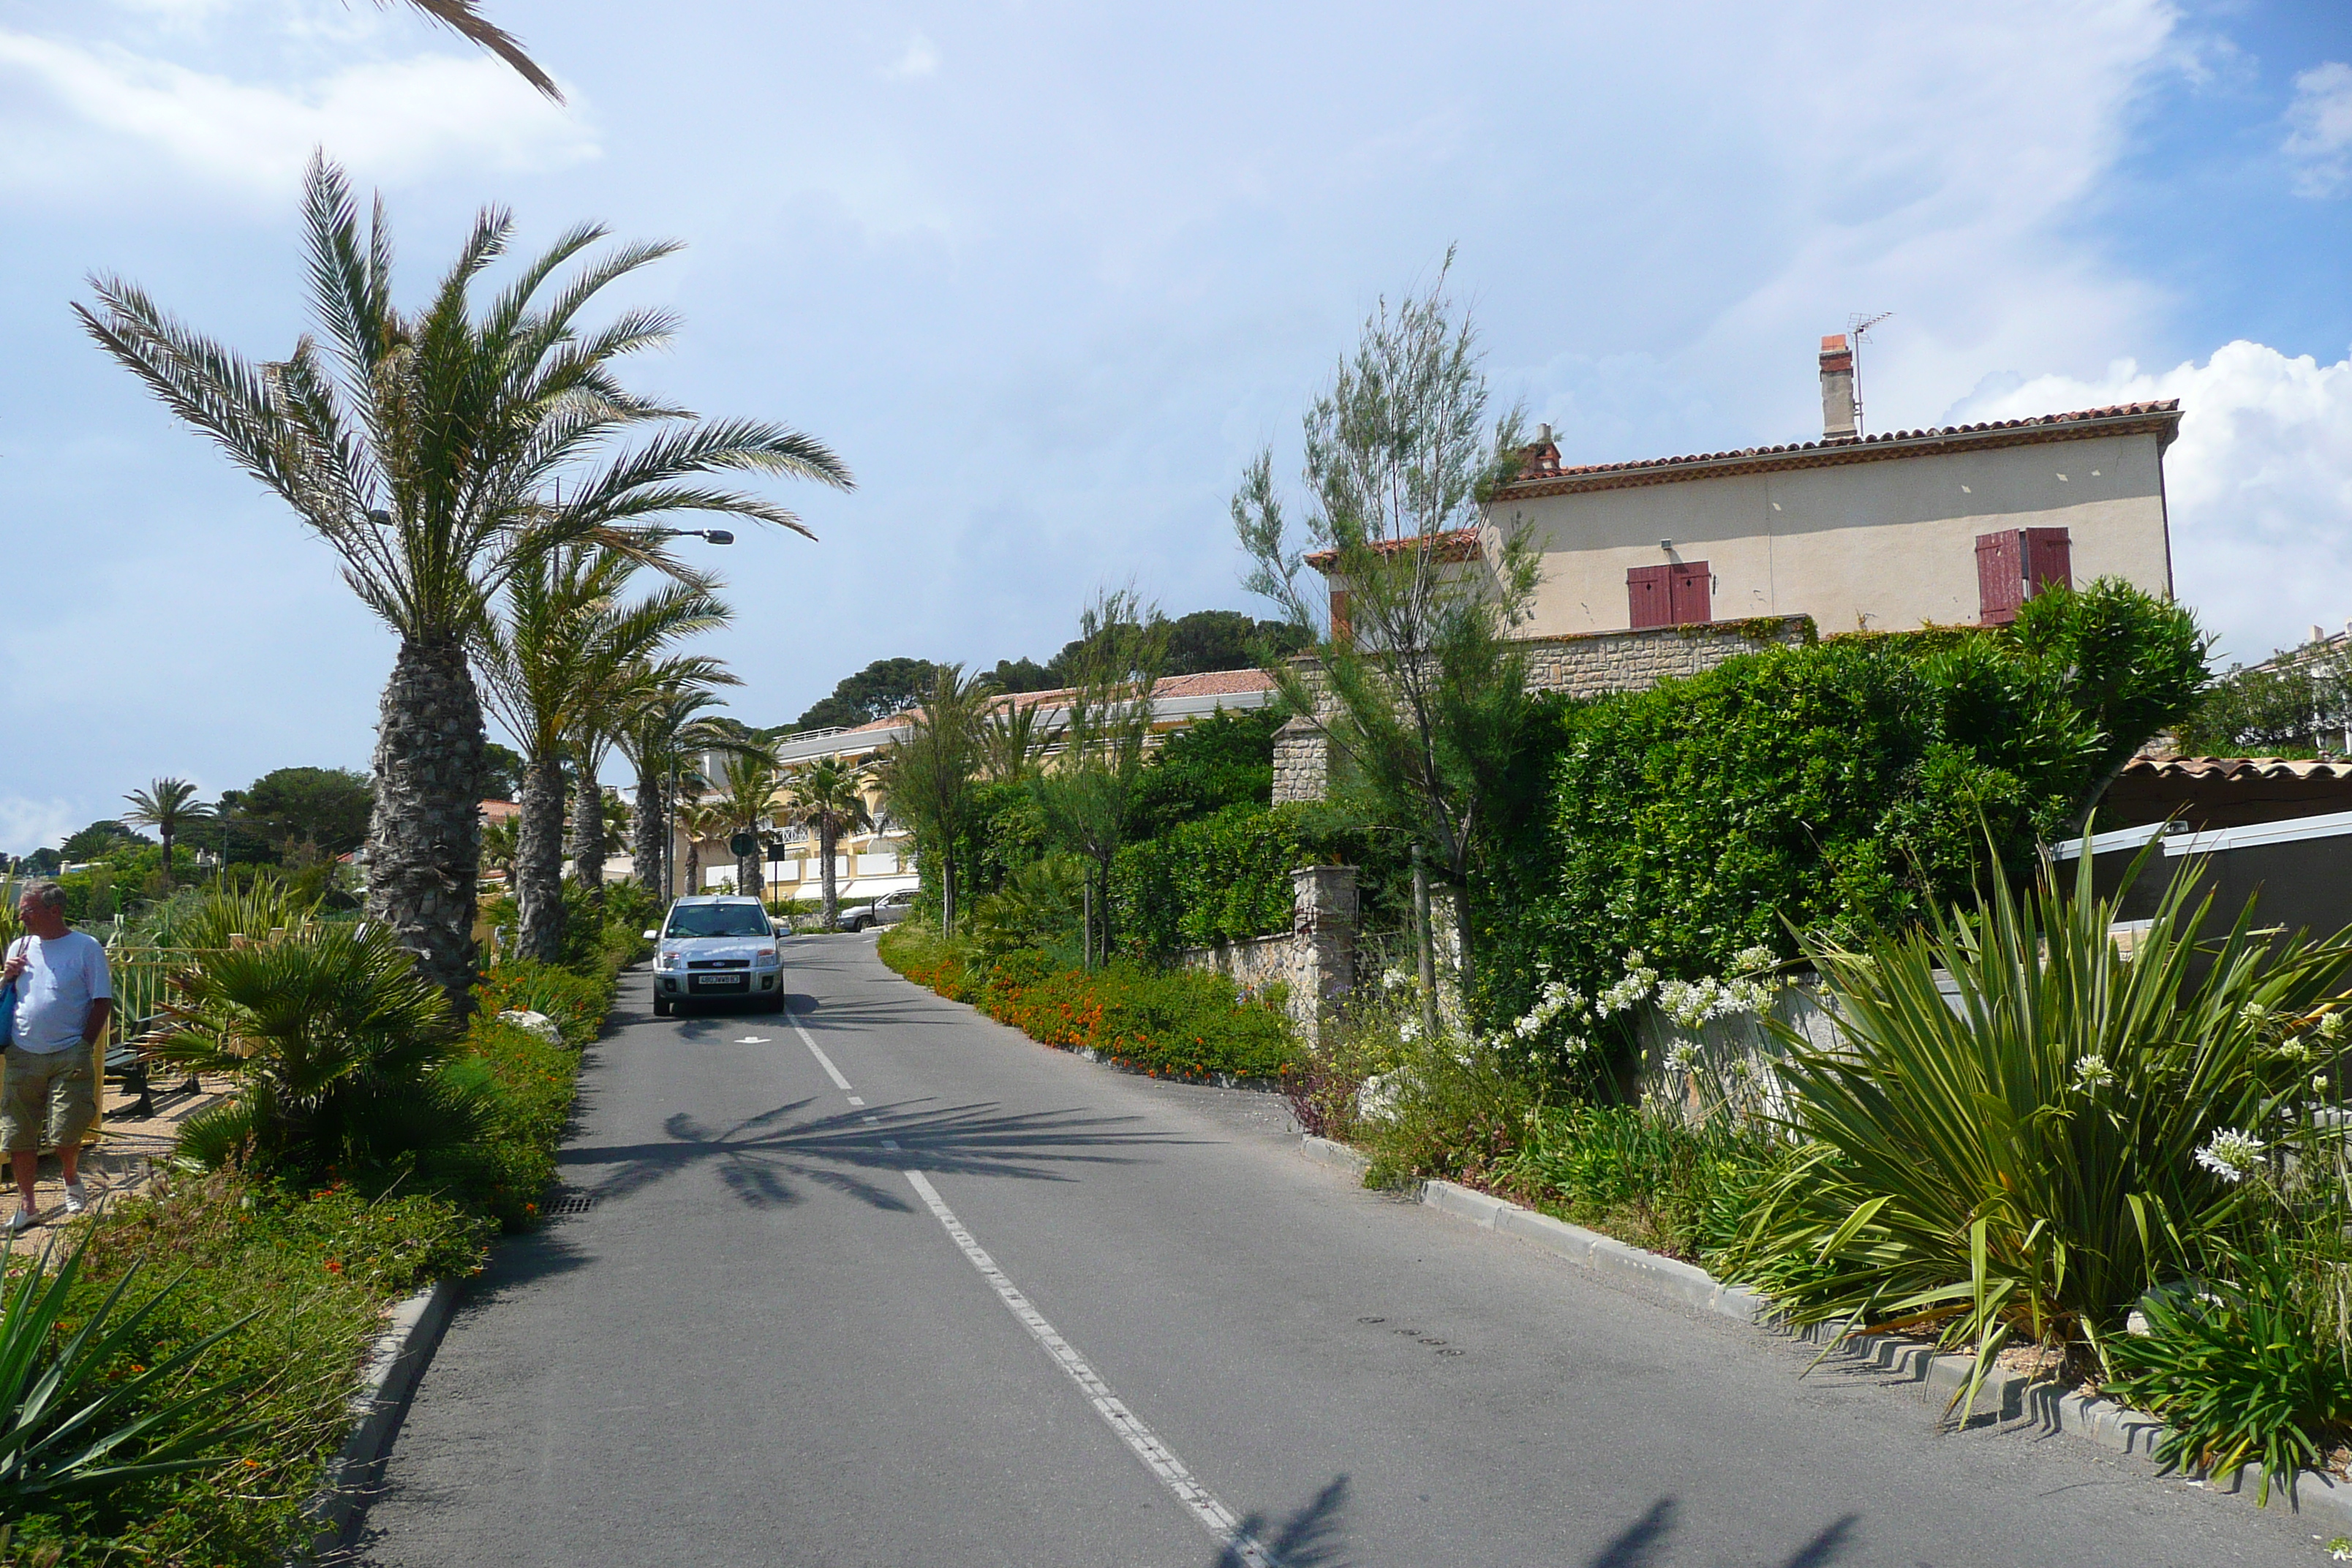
<point>653,936</point>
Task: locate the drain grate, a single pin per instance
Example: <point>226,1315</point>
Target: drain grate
<point>570,1202</point>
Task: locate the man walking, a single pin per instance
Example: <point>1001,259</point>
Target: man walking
<point>64,998</point>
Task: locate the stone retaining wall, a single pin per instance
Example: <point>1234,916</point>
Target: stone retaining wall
<point>1315,960</point>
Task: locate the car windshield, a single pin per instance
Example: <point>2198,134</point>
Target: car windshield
<point>718,919</point>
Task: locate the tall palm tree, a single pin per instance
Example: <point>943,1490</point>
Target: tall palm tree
<point>166,805</point>
<point>828,797</point>
<point>663,729</point>
<point>558,652</point>
<point>425,447</point>
<point>747,796</point>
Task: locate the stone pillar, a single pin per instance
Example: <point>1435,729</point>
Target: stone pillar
<point>1302,761</point>
<point>1323,942</point>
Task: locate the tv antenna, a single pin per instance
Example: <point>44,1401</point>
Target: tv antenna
<point>1858,328</point>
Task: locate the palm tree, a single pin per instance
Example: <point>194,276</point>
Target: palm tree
<point>500,842</point>
<point>1013,737</point>
<point>555,657</point>
<point>663,727</point>
<point>425,449</point>
<point>747,795</point>
<point>828,797</point>
<point>166,805</point>
<point>464,18</point>
<point>928,775</point>
<point>699,820</point>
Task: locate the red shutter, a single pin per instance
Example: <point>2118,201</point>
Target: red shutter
<point>1343,631</point>
<point>1691,594</point>
<point>2049,558</point>
<point>1651,592</point>
<point>2000,575</point>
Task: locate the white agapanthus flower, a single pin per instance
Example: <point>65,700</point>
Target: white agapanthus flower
<point>2253,1014</point>
<point>2331,1027</point>
<point>1682,1057</point>
<point>1398,980</point>
<point>1632,989</point>
<point>2231,1155</point>
<point>2093,1073</point>
<point>1753,960</point>
<point>1376,1098</point>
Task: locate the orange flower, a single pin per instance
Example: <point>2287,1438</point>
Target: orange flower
<point>334,1266</point>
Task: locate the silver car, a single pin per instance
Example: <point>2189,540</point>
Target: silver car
<point>887,911</point>
<point>717,949</point>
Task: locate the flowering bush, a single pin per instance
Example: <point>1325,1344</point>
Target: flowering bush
<point>1168,1023</point>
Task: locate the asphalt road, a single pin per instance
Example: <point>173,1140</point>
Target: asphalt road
<point>765,1343</point>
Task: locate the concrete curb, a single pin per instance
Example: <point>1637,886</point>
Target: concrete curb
<point>411,1330</point>
<point>2004,1397</point>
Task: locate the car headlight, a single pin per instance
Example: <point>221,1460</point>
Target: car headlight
<point>764,957</point>
<point>668,960</point>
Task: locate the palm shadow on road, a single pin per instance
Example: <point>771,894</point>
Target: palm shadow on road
<point>1310,1538</point>
<point>766,1161</point>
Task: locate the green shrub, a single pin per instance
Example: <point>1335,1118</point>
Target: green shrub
<point>314,1267</point>
<point>1168,1023</point>
<point>1222,761</point>
<point>577,1002</point>
<point>1645,1177</point>
<point>1853,781</point>
<point>1039,906</point>
<point>1174,1023</point>
<point>2026,1164</point>
<point>2240,1370</point>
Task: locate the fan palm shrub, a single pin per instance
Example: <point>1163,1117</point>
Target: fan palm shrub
<point>827,796</point>
<point>335,1041</point>
<point>746,799</point>
<point>426,448</point>
<point>166,805</point>
<point>2022,1161</point>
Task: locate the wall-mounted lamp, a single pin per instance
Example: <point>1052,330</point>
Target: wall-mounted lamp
<point>1665,544</point>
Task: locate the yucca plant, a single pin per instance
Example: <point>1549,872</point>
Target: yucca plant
<point>336,1041</point>
<point>69,1427</point>
<point>2024,1160</point>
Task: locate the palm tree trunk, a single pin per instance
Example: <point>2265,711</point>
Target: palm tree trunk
<point>825,840</point>
<point>693,864</point>
<point>425,834</point>
<point>645,833</point>
<point>165,829</point>
<point>539,860</point>
<point>588,832</point>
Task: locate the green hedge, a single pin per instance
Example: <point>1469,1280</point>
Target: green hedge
<point>1829,785</point>
<point>1219,878</point>
<point>1166,1022</point>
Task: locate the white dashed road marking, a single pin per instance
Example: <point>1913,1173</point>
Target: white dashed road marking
<point>817,1051</point>
<point>1157,1457</point>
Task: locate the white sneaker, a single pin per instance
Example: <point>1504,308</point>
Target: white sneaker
<point>76,1198</point>
<point>23,1220</point>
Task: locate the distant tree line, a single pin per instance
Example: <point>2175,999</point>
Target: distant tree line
<point>1196,643</point>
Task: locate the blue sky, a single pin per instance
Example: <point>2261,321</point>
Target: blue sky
<point>1047,274</point>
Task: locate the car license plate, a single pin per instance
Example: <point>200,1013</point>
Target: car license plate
<point>720,981</point>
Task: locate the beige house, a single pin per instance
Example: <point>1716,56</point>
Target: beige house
<point>1952,526</point>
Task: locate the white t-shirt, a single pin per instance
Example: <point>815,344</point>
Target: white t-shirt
<point>62,976</point>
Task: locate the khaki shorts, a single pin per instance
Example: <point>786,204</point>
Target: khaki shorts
<point>48,1101</point>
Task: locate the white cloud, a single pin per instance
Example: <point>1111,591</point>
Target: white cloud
<point>388,120</point>
<point>2321,116</point>
<point>2259,484</point>
<point>28,824</point>
<point>921,59</point>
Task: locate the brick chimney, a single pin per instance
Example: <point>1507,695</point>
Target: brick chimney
<point>1837,389</point>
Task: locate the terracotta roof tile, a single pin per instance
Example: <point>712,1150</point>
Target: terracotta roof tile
<point>1541,464</point>
<point>2234,769</point>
